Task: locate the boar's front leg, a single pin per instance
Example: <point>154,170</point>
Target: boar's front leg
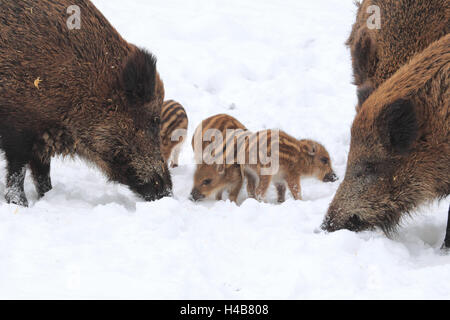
<point>14,182</point>
<point>40,171</point>
<point>446,244</point>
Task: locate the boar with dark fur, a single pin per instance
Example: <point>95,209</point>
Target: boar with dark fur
<point>406,28</point>
<point>400,147</point>
<point>84,92</point>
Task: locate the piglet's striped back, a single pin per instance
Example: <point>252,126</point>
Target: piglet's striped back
<point>173,117</point>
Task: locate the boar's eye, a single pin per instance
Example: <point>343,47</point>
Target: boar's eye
<point>371,168</point>
<point>206,182</point>
<point>156,120</point>
<point>120,158</point>
<point>324,160</point>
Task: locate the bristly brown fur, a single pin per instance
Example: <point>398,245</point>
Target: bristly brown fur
<point>400,147</point>
<point>407,28</point>
<point>83,92</point>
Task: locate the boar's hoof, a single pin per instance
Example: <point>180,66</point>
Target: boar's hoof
<point>446,245</point>
<point>445,248</point>
<point>17,197</point>
<point>43,186</point>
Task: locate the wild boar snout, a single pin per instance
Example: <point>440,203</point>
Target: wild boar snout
<point>330,222</point>
<point>336,220</point>
<point>158,187</point>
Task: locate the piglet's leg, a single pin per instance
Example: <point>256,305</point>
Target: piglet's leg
<point>14,184</point>
<point>261,190</point>
<point>251,185</point>
<point>176,156</point>
<point>294,187</point>
<point>281,192</point>
<point>234,192</point>
<point>446,244</point>
<point>219,195</point>
<point>40,171</point>
<point>166,153</point>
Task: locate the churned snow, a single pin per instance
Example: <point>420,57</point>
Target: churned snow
<point>271,64</point>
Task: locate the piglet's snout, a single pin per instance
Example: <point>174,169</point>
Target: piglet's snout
<point>330,177</point>
<point>196,195</point>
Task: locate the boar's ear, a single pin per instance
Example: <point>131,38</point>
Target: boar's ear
<point>364,55</point>
<point>139,77</point>
<point>398,126</point>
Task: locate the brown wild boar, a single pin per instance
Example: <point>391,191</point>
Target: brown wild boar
<point>296,159</point>
<point>214,179</point>
<point>407,27</point>
<point>400,146</point>
<point>84,92</point>
<point>174,123</point>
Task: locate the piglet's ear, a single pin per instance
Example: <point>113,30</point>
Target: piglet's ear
<point>310,149</point>
<point>220,169</point>
<point>397,125</point>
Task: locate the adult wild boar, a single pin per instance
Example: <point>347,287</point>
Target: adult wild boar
<point>84,92</point>
<point>406,28</point>
<point>400,146</point>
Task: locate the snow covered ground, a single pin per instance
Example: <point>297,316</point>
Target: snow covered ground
<point>271,64</point>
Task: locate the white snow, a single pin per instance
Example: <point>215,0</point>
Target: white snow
<point>271,64</point>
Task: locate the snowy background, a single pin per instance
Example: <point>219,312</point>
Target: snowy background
<point>271,64</point>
